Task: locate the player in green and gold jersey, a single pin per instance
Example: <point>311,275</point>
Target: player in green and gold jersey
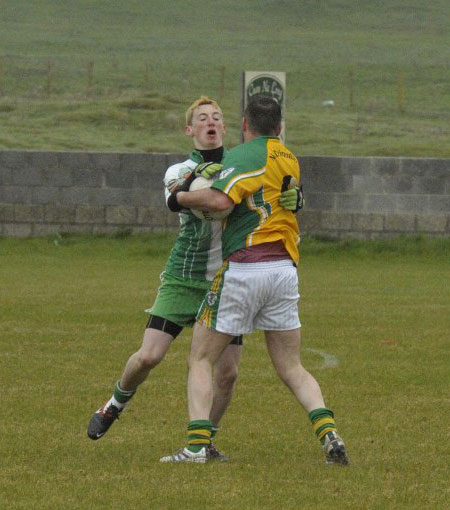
<point>257,286</point>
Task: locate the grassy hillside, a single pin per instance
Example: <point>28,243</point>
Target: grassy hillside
<point>117,76</point>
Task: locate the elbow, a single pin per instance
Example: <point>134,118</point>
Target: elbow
<point>223,202</point>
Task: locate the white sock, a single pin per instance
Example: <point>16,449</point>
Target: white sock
<point>120,405</point>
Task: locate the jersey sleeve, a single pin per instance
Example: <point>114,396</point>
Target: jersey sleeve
<point>236,180</point>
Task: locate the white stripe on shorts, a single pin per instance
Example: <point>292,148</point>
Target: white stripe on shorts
<point>259,295</point>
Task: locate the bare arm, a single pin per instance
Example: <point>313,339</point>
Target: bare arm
<point>210,199</point>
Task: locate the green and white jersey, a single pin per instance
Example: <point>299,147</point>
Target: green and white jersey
<point>197,252</point>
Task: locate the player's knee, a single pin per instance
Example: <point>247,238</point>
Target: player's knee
<point>149,358</point>
<point>293,375</point>
<point>226,376</point>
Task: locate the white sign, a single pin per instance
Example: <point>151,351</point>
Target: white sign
<point>267,83</point>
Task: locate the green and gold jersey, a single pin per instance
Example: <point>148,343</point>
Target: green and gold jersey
<point>252,177</point>
<point>197,252</point>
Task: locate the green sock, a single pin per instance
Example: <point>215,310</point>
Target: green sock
<point>322,420</point>
<point>214,429</point>
<point>121,396</point>
<point>199,435</point>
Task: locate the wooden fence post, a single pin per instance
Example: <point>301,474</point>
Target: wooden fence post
<point>221,84</point>
<point>48,85</point>
<point>146,76</point>
<point>90,76</point>
<point>400,92</point>
<point>1,75</point>
<point>351,89</point>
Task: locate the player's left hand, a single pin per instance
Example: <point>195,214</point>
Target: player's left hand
<point>207,170</point>
<point>292,199</point>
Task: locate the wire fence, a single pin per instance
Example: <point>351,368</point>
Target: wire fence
<point>84,77</point>
<point>40,78</point>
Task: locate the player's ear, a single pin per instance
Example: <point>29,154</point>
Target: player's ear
<point>244,125</point>
<point>188,131</point>
<point>278,130</point>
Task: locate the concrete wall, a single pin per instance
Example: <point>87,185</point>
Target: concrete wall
<point>43,193</point>
<point>375,197</point>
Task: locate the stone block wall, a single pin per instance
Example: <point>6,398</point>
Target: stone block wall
<point>43,193</point>
<point>375,197</point>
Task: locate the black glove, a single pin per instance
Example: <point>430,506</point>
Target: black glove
<point>172,202</point>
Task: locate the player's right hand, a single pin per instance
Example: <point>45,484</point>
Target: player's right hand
<point>291,197</point>
<point>181,183</point>
<point>175,186</point>
<point>207,170</point>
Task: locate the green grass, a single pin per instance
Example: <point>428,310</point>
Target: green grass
<point>151,60</point>
<point>72,313</point>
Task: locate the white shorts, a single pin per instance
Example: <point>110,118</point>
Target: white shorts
<point>248,296</point>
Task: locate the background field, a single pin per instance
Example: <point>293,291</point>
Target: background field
<point>72,312</point>
<point>117,76</point>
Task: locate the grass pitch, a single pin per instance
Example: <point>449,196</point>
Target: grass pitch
<point>72,313</point>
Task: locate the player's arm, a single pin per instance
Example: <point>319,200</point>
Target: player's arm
<point>176,183</point>
<point>210,199</point>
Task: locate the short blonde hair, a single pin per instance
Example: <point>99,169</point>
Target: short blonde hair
<point>200,101</point>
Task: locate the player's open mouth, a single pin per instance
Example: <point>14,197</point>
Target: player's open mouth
<point>212,132</point>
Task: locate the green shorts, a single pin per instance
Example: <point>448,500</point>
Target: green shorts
<point>179,300</point>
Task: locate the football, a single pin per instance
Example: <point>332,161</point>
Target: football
<point>202,183</point>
